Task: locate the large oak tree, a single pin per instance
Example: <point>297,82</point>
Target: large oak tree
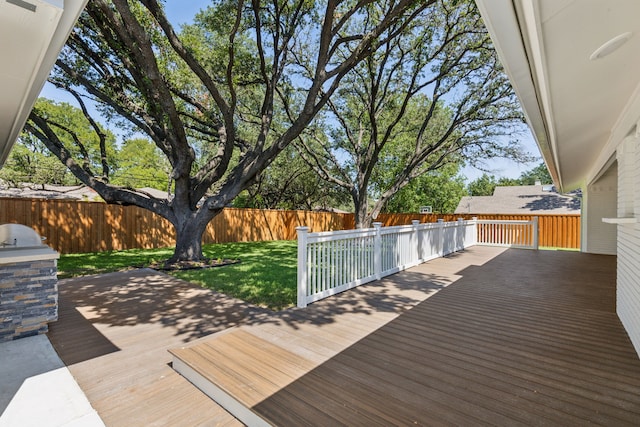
<point>212,96</point>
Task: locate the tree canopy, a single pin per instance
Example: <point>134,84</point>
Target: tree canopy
<point>539,173</point>
<point>136,163</point>
<point>441,190</point>
<point>434,96</point>
<point>485,184</point>
<point>220,98</point>
<point>141,164</point>
<point>289,183</point>
<point>30,161</point>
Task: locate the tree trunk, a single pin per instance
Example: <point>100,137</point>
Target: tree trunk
<point>375,210</point>
<point>361,219</point>
<point>189,232</point>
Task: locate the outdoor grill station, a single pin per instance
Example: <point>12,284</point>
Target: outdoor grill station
<point>28,283</point>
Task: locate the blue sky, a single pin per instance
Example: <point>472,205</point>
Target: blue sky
<point>183,11</point>
<point>508,168</point>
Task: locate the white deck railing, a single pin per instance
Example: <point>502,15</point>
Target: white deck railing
<point>515,234</point>
<point>334,261</point>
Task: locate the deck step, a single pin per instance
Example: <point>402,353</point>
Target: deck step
<point>239,370</point>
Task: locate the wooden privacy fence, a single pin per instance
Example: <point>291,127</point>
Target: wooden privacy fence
<point>77,227</point>
<point>72,226</point>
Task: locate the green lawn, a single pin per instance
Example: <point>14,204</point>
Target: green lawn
<point>265,276</point>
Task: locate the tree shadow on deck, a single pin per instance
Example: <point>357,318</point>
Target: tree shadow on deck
<point>91,305</point>
<point>394,294</point>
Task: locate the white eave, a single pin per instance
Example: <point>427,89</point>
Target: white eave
<point>578,109</point>
<point>32,33</point>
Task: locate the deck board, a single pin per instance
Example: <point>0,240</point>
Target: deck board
<point>511,338</point>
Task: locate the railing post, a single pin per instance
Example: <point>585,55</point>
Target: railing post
<point>377,250</point>
<point>417,239</point>
<point>474,234</point>
<point>535,232</point>
<point>441,237</point>
<point>460,231</point>
<point>303,276</point>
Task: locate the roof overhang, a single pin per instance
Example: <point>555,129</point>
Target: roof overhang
<point>579,109</point>
<point>32,32</point>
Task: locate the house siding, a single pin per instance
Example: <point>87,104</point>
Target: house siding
<point>600,202</point>
<point>628,240</point>
<point>628,278</point>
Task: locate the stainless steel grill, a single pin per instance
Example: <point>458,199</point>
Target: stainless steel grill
<point>19,236</point>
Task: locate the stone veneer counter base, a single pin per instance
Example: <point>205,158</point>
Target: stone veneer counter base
<point>28,291</point>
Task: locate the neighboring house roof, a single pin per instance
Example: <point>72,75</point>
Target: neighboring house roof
<point>329,209</point>
<point>28,191</point>
<point>158,194</point>
<point>76,192</point>
<point>520,200</point>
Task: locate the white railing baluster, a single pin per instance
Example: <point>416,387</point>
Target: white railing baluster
<point>515,234</point>
<point>323,283</point>
<point>332,265</point>
<point>341,261</point>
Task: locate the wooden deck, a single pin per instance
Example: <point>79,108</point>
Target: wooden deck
<point>113,333</point>
<point>519,338</point>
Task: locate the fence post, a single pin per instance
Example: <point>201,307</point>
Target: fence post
<point>303,276</point>
<point>535,232</point>
<point>441,237</point>
<point>377,250</point>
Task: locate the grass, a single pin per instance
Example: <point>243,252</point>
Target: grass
<point>266,275</point>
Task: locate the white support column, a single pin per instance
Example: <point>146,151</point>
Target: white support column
<point>302,266</point>
<point>535,232</point>
<point>377,250</point>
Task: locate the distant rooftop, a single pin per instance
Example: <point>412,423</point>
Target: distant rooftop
<point>38,191</point>
<point>521,200</point>
<point>72,192</point>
